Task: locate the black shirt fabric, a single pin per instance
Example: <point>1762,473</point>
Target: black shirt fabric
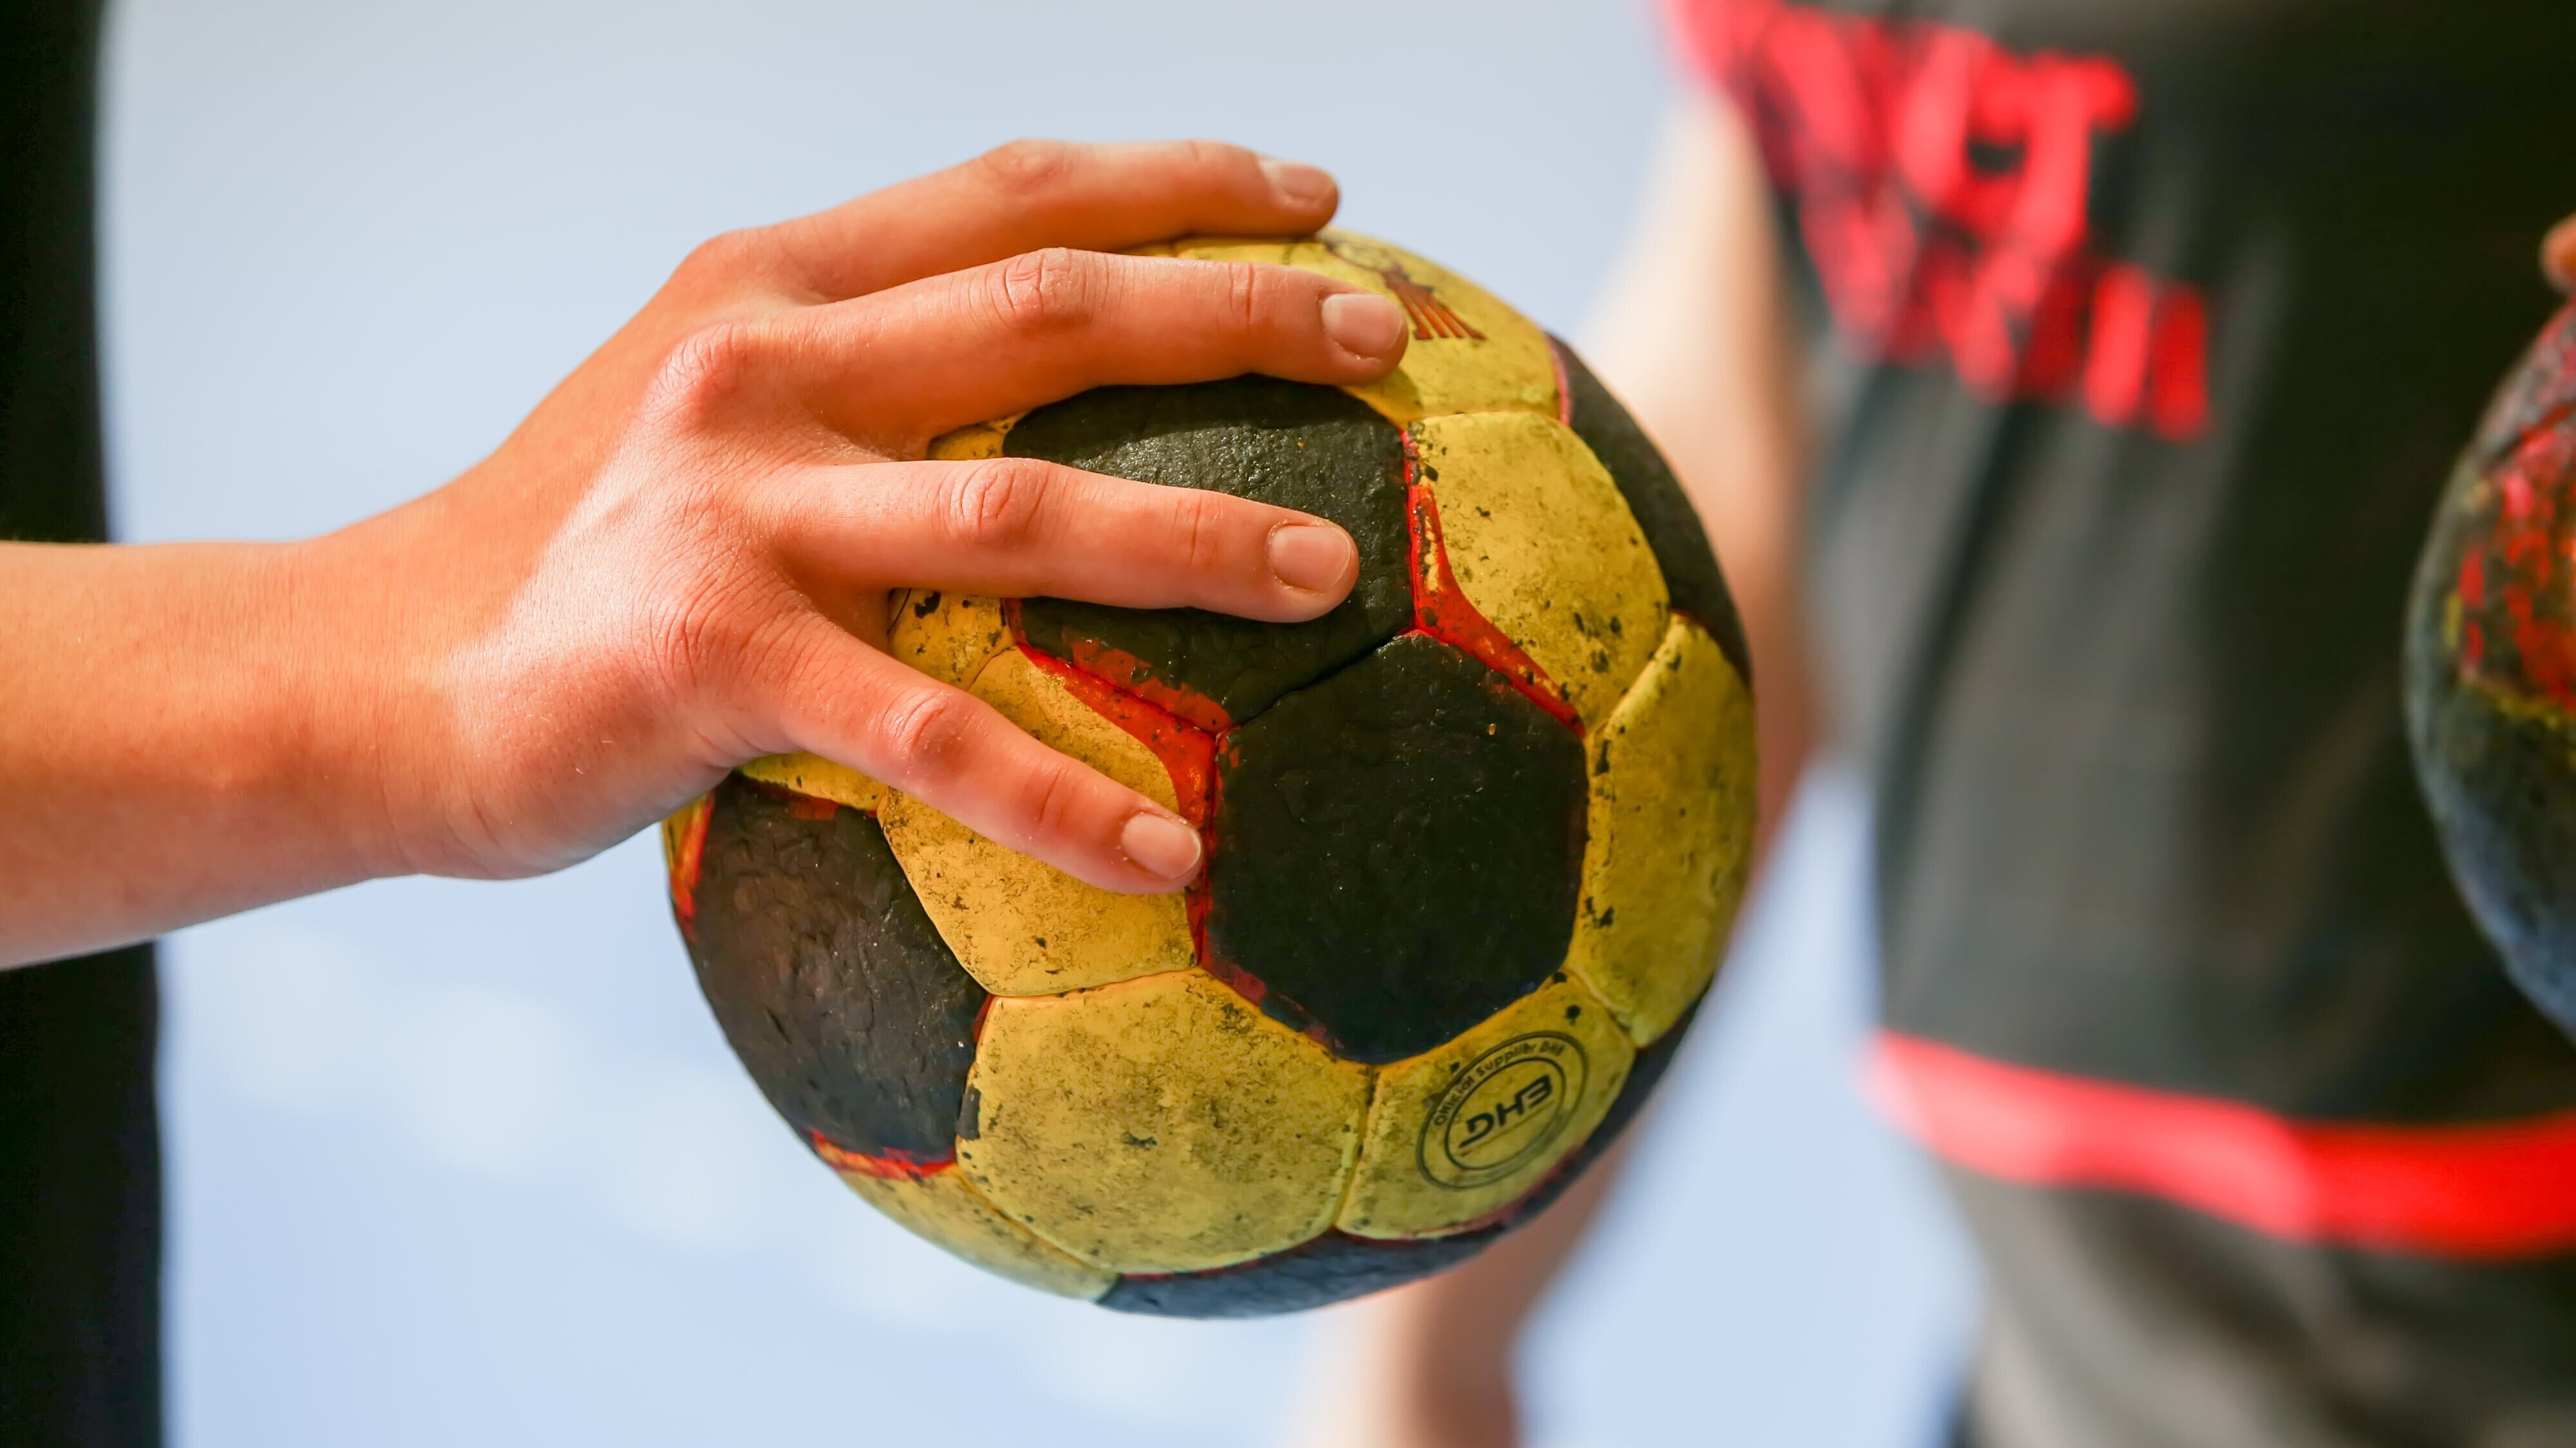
<point>80,1174</point>
<point>2145,331</point>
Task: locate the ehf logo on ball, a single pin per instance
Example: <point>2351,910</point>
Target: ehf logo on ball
<point>1504,1109</point>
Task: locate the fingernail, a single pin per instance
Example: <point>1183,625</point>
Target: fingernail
<point>1297,183</point>
<point>1310,556</point>
<point>1161,845</point>
<point>1363,322</point>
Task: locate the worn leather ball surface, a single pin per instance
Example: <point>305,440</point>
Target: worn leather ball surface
<point>1474,841</point>
<point>2491,671</point>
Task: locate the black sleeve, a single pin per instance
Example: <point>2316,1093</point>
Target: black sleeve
<point>80,1160</point>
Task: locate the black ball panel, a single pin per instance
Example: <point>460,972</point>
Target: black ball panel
<point>1398,851</point>
<point>827,976</point>
<point>1332,1268</point>
<point>1315,449</point>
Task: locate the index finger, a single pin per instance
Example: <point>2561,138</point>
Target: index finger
<point>1034,194</point>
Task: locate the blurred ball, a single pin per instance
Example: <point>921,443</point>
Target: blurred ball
<point>2491,671</point>
<point>1474,840</point>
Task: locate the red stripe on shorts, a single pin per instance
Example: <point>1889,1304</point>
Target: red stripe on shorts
<point>2486,1190</point>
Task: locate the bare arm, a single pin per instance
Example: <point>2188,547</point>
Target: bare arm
<point>682,560</point>
<point>1694,339</point>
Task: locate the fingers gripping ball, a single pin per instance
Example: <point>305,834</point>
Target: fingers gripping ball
<point>2491,672</point>
<point>1474,838</point>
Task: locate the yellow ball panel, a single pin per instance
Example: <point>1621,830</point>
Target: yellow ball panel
<point>681,826</point>
<point>812,774</point>
<point>949,637</point>
<point>977,440</point>
<point>1458,1133</point>
<point>1018,926</point>
<point>1543,545</point>
<point>1162,1125</point>
<point>942,1209</point>
<point>1671,824</point>
<point>1469,353</point>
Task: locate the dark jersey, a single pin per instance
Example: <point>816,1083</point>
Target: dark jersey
<point>2145,332</point>
<point>79,1154</point>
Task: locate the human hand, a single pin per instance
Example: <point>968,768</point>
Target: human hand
<point>683,558</point>
<point>2558,255</point>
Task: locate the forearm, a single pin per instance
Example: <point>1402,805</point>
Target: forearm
<point>179,741</point>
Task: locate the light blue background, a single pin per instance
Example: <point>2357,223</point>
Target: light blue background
<point>458,1163</point>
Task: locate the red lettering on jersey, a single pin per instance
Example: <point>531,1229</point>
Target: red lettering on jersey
<point>1942,185</point>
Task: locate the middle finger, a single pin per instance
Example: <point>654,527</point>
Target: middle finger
<point>902,366</point>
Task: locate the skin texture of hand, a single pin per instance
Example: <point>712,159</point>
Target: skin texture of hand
<point>683,559</point>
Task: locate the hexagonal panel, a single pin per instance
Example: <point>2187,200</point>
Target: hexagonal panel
<point>1160,1125</point>
<point>827,977</point>
<point>1025,928</point>
<point>1459,1132</point>
<point>1541,543</point>
<point>943,1210</point>
<point>1311,448</point>
<point>1470,353</point>
<point>1644,1075</point>
<point>1398,850</point>
<point>950,637</point>
<point>1656,500</point>
<point>1671,834</point>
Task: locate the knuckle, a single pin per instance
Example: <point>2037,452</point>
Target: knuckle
<point>1025,167</point>
<point>926,731</point>
<point>730,258</point>
<point>709,635</point>
<point>996,504</point>
<point>1052,804</point>
<point>1045,291</point>
<point>711,367</point>
<point>1213,157</point>
<point>1198,528</point>
<point>1248,290</point>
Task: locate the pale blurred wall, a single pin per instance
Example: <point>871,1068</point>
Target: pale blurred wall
<point>467,1163</point>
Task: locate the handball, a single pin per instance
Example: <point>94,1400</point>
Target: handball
<point>1473,841</point>
<point>2491,672</point>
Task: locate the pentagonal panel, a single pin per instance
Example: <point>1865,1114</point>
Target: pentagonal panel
<point>1656,500</point>
<point>1398,851</point>
<point>941,1208</point>
<point>1160,1125</point>
<point>1671,834</point>
<point>1332,1268</point>
<point>1310,448</point>
<point>1461,1131</point>
<point>1025,928</point>
<point>829,982</point>
<point>1469,353</point>
<point>1540,542</point>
